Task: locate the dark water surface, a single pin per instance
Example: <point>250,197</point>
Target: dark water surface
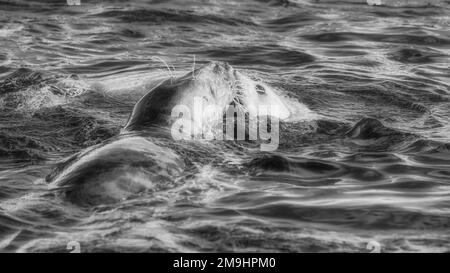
<point>373,166</point>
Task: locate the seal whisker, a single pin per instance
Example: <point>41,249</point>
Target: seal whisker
<point>167,66</point>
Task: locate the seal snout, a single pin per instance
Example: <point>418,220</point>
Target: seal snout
<point>221,67</point>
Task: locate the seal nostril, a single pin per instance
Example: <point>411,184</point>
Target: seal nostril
<point>260,89</point>
<point>216,69</point>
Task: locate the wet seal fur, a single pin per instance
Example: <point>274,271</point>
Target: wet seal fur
<point>115,171</point>
<point>217,83</point>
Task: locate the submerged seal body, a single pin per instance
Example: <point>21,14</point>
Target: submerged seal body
<point>115,171</point>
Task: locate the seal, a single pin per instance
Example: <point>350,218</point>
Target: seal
<point>216,83</point>
<point>116,170</point>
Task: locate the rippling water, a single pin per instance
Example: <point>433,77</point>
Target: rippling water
<point>373,166</point>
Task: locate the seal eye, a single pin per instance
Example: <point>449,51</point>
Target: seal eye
<point>260,89</point>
